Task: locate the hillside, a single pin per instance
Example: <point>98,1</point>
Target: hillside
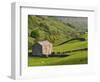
<point>78,23</point>
<point>49,28</point>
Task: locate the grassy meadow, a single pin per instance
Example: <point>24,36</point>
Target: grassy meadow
<point>68,35</point>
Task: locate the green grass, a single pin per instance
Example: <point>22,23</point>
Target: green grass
<point>70,46</point>
<point>73,41</point>
<point>79,57</point>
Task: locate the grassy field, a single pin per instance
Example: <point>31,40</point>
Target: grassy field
<point>70,46</point>
<point>77,57</point>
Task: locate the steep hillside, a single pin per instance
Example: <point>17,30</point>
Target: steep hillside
<point>49,28</point>
<point>78,23</point>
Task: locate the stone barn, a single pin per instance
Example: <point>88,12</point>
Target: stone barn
<point>42,48</point>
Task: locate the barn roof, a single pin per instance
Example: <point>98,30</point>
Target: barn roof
<point>45,42</point>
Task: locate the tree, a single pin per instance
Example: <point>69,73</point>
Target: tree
<point>35,34</point>
<point>38,34</point>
